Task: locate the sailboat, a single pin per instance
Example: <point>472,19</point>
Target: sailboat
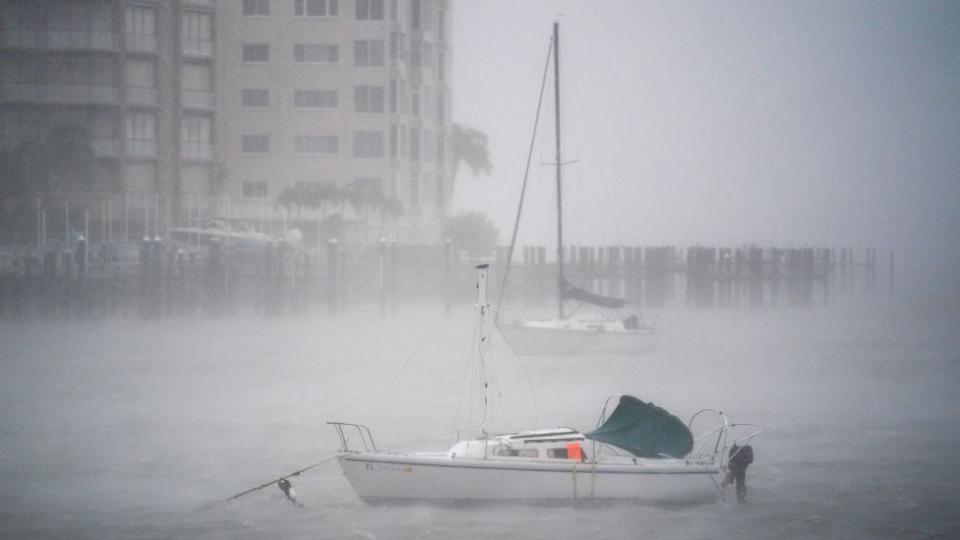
<point>637,451</point>
<point>571,334</point>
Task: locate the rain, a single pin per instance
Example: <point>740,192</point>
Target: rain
<point>225,225</point>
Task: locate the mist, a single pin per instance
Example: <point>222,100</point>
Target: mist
<point>140,393</point>
<point>743,122</point>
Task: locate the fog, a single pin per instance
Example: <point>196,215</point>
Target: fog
<point>743,123</point>
<point>117,429</point>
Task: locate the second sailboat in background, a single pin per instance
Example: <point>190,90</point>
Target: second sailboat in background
<point>572,334</point>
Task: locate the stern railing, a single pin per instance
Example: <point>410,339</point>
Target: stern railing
<point>363,432</point>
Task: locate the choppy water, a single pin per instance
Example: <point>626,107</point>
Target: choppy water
<point>121,429</point>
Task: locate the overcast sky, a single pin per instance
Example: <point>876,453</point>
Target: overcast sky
<point>795,123</point>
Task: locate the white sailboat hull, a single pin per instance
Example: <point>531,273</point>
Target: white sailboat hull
<point>532,340</point>
<point>390,477</point>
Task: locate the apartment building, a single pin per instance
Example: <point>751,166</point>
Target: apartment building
<point>137,76</point>
<point>201,109</point>
<point>337,93</point>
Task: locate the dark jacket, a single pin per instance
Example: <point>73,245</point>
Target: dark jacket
<point>740,457</point>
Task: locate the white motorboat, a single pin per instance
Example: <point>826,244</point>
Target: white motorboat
<point>571,334</point>
<point>638,451</point>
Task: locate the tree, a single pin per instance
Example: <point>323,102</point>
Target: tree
<point>472,231</point>
<point>70,158</point>
<point>60,162</point>
<point>469,146</point>
<point>389,207</point>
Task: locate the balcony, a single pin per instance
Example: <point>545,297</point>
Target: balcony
<point>105,148</point>
<point>141,148</point>
<point>141,43</point>
<point>197,99</point>
<point>139,95</point>
<point>196,150</point>
<point>60,40</point>
<point>198,48</point>
<point>61,94</point>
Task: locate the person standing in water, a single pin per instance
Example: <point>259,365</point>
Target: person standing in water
<point>740,457</point>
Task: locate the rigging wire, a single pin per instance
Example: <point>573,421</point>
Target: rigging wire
<point>593,144</point>
<point>523,188</point>
<point>409,358</point>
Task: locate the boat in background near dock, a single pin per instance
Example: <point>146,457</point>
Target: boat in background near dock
<point>219,232</point>
<point>578,334</point>
<point>639,451</point>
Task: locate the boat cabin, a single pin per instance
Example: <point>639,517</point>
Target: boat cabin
<point>539,445</point>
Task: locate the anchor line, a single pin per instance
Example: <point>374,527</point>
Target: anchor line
<point>268,484</point>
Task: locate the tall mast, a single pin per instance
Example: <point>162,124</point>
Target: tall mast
<point>482,342</point>
<point>556,93</point>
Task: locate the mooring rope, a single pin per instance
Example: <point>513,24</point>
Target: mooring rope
<point>268,484</point>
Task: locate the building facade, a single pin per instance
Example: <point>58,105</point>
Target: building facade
<point>137,77</point>
<point>212,109</point>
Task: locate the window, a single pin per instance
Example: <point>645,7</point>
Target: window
<point>442,25</point>
<point>256,52</point>
<point>256,7</point>
<point>393,140</point>
<point>369,10</point>
<point>196,81</point>
<point>414,144</point>
<point>415,14</point>
<point>141,135</point>
<point>195,137</point>
<point>314,188</point>
<point>254,144</point>
<point>316,8</point>
<point>254,190</point>
<point>426,104</point>
<point>428,145</point>
<point>141,29</point>
<point>255,97</point>
<point>557,453</point>
<point>315,99</point>
<point>368,99</point>
<point>367,144</point>
<point>414,192</point>
<point>522,452</point>
<point>396,46</point>
<point>440,193</point>
<point>393,95</point>
<point>196,34</point>
<point>404,97</point>
<point>316,54</point>
<point>369,185</point>
<point>368,53</point>
<point>141,80</point>
<point>316,144</point>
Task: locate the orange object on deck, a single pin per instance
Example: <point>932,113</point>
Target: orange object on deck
<point>573,451</point>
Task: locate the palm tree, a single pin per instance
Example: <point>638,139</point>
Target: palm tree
<point>389,207</point>
<point>61,161</point>
<point>363,197</point>
<point>469,146</point>
<point>472,231</point>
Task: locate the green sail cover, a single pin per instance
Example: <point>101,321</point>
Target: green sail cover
<point>644,430</point>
